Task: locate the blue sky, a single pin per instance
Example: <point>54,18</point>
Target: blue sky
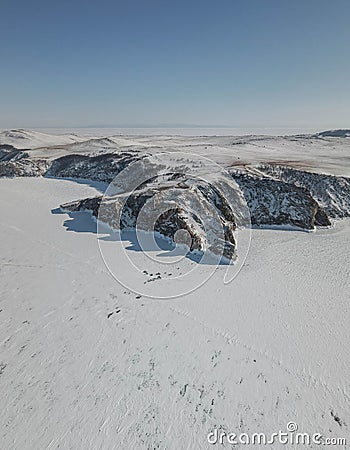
<point>244,63</point>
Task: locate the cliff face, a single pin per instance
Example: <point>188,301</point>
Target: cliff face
<point>103,167</point>
<point>200,211</point>
<point>17,163</point>
<point>8,153</point>
<point>331,193</point>
<point>171,199</point>
<point>274,202</point>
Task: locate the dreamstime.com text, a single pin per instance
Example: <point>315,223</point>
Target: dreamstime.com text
<point>291,436</point>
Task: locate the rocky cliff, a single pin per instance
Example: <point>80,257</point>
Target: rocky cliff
<point>276,195</point>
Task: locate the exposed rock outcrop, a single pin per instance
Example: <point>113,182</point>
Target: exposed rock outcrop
<point>17,163</point>
<point>274,202</point>
<point>188,207</point>
<point>10,153</point>
<point>103,167</point>
<point>334,133</point>
<point>331,193</point>
<point>171,199</point>
<point>23,167</point>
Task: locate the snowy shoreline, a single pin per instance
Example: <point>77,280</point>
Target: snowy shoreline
<point>90,358</point>
<point>87,364</point>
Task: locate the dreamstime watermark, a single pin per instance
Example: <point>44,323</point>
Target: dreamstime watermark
<point>192,200</point>
<point>290,436</point>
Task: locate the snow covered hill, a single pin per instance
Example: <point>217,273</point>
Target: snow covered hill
<point>276,194</point>
<point>309,152</point>
<point>27,139</point>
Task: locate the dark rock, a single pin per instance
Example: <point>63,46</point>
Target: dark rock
<point>23,168</point>
<point>331,193</point>
<point>10,153</point>
<point>123,212</point>
<point>272,202</point>
<point>334,133</point>
<point>103,167</point>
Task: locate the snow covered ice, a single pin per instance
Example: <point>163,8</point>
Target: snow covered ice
<point>89,363</point>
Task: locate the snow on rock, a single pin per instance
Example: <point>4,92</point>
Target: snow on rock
<point>10,153</point>
<point>331,193</point>
<point>199,210</point>
<point>17,163</point>
<point>23,168</point>
<point>273,202</point>
<point>276,194</point>
<point>99,168</point>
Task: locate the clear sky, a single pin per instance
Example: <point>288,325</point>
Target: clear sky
<point>151,62</point>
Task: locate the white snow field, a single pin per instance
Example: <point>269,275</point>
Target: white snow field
<point>269,348</point>
<point>88,364</point>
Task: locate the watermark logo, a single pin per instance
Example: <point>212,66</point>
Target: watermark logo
<point>169,221</point>
<point>290,436</point>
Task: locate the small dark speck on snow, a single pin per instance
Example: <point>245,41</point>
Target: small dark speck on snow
<point>2,367</point>
<point>183,390</point>
<point>339,421</point>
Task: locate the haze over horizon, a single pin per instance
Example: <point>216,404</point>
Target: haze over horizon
<point>135,64</point>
